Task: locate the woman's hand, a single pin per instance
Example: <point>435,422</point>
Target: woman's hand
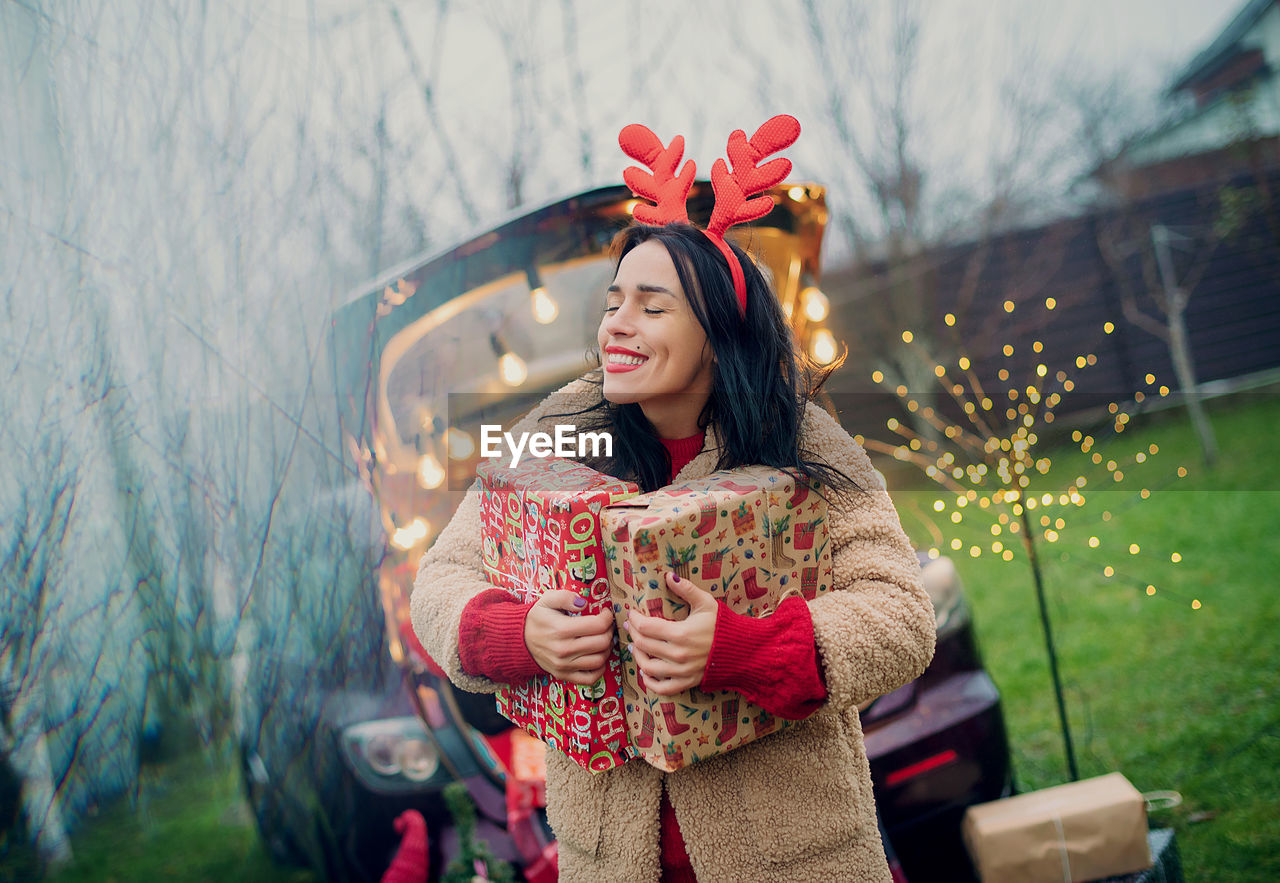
<point>566,643</point>
<point>672,656</point>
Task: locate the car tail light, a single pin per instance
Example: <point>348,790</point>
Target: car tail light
<point>391,754</point>
<point>920,767</point>
<point>942,582</point>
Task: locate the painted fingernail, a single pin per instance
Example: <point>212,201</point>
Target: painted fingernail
<point>675,578</point>
<point>579,601</point>
<point>627,626</point>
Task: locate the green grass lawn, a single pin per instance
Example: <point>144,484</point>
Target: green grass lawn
<point>1173,697</point>
<point>190,822</point>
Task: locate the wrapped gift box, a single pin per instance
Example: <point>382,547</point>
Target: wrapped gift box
<point>1075,832</point>
<point>751,537</point>
<point>541,531</point>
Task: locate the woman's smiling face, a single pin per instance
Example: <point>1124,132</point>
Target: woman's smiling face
<point>654,349</point>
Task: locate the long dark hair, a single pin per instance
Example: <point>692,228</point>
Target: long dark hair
<point>760,380</point>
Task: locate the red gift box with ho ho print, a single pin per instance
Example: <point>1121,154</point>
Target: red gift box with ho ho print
<point>751,537</point>
<point>541,531</point>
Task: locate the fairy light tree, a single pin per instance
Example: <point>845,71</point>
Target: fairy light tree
<point>986,451</point>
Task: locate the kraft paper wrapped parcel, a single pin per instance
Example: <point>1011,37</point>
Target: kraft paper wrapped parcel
<point>1066,834</point>
<point>751,537</point>
<point>541,531</point>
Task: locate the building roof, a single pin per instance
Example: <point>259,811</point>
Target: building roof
<point>1219,51</point>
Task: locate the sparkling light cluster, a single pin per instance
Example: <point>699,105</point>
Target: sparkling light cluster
<point>987,462</point>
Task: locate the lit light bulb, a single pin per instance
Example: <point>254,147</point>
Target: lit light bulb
<point>823,346</point>
<point>430,473</point>
<point>512,369</point>
<point>461,446</point>
<point>411,534</point>
<point>815,304</point>
<point>545,308</point>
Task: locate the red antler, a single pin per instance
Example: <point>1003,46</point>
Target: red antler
<point>668,190</point>
<point>748,178</point>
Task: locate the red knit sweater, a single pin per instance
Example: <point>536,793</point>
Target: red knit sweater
<point>491,644</point>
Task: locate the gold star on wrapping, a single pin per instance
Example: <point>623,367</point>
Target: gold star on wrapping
<point>733,559</point>
<point>677,530</point>
<point>703,739</point>
<point>722,534</point>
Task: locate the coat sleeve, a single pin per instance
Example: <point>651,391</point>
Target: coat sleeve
<point>876,631</point>
<point>451,573</point>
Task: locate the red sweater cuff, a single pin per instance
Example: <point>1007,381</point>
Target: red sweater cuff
<point>491,638</point>
<point>772,661</point>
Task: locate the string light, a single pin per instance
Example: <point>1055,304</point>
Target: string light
<point>988,456</point>
<point>411,534</point>
<point>815,304</point>
<point>823,347</point>
<point>430,473</point>
<point>545,308</point>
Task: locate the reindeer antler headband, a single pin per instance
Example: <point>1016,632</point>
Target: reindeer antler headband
<point>670,191</point>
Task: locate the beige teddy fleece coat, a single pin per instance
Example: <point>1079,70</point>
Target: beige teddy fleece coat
<point>794,806</point>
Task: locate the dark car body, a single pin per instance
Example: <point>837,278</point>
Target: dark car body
<point>417,361</point>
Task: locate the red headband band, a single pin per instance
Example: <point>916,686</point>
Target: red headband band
<point>733,189</point>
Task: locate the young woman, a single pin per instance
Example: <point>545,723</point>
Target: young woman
<point>692,382</point>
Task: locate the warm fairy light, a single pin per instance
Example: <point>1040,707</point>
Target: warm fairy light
<point>1182,472</point>
<point>411,534</point>
<point>1175,558</point>
<point>798,193</point>
<point>1050,303</point>
<point>430,473</point>
<point>512,370</point>
<point>1195,603</point>
<point>1164,391</point>
<point>460,444</point>
<point>545,308</point>
<point>815,304</point>
<point>823,346</point>
<point>989,456</point>
<point>1150,379</point>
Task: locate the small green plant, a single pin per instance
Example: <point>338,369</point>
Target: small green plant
<point>475,859</point>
